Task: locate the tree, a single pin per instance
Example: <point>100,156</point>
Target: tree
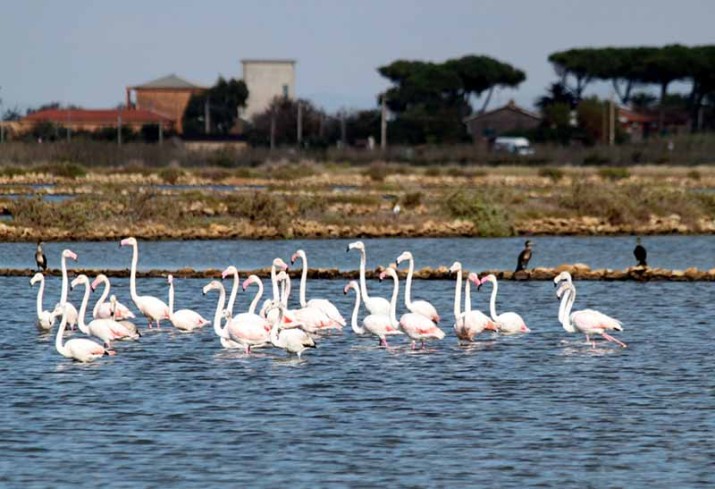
<point>223,99</point>
<point>480,74</point>
<point>664,66</point>
<point>283,114</point>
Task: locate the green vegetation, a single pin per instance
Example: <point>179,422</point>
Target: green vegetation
<point>490,219</point>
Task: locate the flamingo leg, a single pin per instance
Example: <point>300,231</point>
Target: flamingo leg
<point>615,340</point>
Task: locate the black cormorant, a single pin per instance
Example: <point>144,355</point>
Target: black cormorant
<point>524,257</point>
<point>640,253</point>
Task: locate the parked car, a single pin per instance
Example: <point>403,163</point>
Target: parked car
<point>517,146</point>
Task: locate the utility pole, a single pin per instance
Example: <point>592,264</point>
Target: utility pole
<point>300,123</point>
<point>273,129</point>
<point>207,116</point>
<point>383,123</point>
<point>612,120</point>
<point>161,134</point>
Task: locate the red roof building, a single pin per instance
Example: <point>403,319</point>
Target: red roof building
<point>92,120</point>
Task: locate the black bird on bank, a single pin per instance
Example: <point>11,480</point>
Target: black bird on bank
<point>640,253</point>
<point>524,257</point>
<point>40,258</point>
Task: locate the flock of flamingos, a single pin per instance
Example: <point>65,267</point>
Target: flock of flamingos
<point>294,330</point>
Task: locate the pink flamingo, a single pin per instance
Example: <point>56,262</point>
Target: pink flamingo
<point>254,279</point>
<point>289,336</point>
<point>336,319</point>
<point>416,326</point>
<point>152,308</point>
<point>587,321</point>
<point>419,307</point>
<point>311,319</point>
<point>375,305</point>
<point>45,319</point>
<point>79,349</point>
<point>105,329</point>
<point>183,319</point>
<point>220,331</point>
<point>103,310</point>
<point>71,310</point>
<point>278,264</point>
<point>233,271</point>
<point>467,323</point>
<point>378,325</point>
<point>507,322</point>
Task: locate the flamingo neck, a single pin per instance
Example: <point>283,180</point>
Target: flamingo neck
<point>458,295</point>
<point>83,310</point>
<point>354,324</point>
<point>408,285</point>
<point>256,299</point>
<point>61,349</point>
<point>220,332</point>
<point>274,336</point>
<point>133,274</point>
<point>65,282</point>
<point>363,284</point>
<point>274,283</point>
<point>232,297</point>
<point>171,301</point>
<point>467,297</point>
<point>39,297</point>
<point>102,298</point>
<point>303,279</point>
<point>568,301</point>
<point>393,301</point>
<point>285,291</point>
<point>493,301</point>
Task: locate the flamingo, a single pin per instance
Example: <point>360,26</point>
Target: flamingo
<point>325,306</point>
<point>234,288</point>
<point>587,321</point>
<point>467,323</point>
<point>416,326</point>
<point>419,307</point>
<point>254,279</point>
<point>45,319</point>
<point>507,322</point>
<point>310,318</point>
<point>290,338</point>
<point>183,319</point>
<point>376,305</point>
<point>152,308</point>
<point>105,329</point>
<point>221,332</point>
<point>278,263</point>
<point>248,329</point>
<point>376,324</point>
<point>71,310</point>
<point>131,327</point>
<point>79,349</point>
<point>104,310</point>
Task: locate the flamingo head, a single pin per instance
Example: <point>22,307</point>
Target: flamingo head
<point>128,242</point>
<point>356,245</point>
<point>213,285</point>
<point>298,254</point>
<point>113,305</point>
<point>489,278</point>
<point>229,271</point>
<point>282,276</point>
<point>491,326</point>
<point>565,286</point>
<point>474,278</point>
<point>69,254</point>
<point>280,264</point>
<point>406,255</point>
<point>98,279</point>
<point>252,279</point>
<point>456,267</point>
<point>351,285</point>
<point>388,272</point>
<point>38,277</point>
<point>170,279</point>
<point>524,329</point>
<point>80,279</point>
<point>561,277</point>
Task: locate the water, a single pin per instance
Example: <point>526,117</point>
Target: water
<point>672,252</point>
<point>541,410</point>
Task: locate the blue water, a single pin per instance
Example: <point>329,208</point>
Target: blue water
<point>672,252</point>
<point>541,410</point>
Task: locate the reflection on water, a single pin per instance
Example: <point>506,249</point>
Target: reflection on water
<point>537,410</point>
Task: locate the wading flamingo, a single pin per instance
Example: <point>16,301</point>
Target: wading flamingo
<point>254,279</point>
<point>103,310</point>
<point>507,322</point>
<point>220,331</point>
<point>79,349</point>
<point>278,263</point>
<point>248,329</point>
<point>467,323</point>
<point>71,310</point>
<point>378,325</point>
<point>152,308</point>
<point>311,319</point>
<point>419,307</point>
<point>327,307</point>
<point>375,305</point>
<point>45,319</point>
<point>414,325</point>
<point>587,321</point>
<point>131,327</point>
<point>231,270</point>
<point>107,330</point>
<point>289,338</point>
<point>183,319</point>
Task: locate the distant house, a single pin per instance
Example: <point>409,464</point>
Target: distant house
<point>91,120</point>
<point>640,125</point>
<point>167,96</point>
<point>509,118</point>
<point>267,79</point>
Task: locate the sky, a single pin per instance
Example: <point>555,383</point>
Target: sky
<point>86,52</point>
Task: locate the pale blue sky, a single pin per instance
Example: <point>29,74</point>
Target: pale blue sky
<point>85,52</point>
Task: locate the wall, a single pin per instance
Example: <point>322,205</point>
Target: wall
<point>265,81</point>
<point>167,102</point>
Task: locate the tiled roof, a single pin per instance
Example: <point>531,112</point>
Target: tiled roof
<point>510,106</point>
<point>95,116</point>
<point>168,81</point>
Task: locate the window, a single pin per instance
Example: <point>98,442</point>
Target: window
<point>285,90</point>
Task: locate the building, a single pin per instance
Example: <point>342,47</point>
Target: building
<point>91,120</point>
<point>167,96</point>
<point>507,119</point>
<point>267,79</point>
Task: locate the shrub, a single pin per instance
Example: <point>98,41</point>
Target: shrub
<point>171,174</point>
<point>694,175</point>
<point>555,174</point>
<point>377,171</point>
<point>595,159</point>
<point>64,170</point>
<point>412,200</point>
<point>614,173</point>
<point>489,219</point>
